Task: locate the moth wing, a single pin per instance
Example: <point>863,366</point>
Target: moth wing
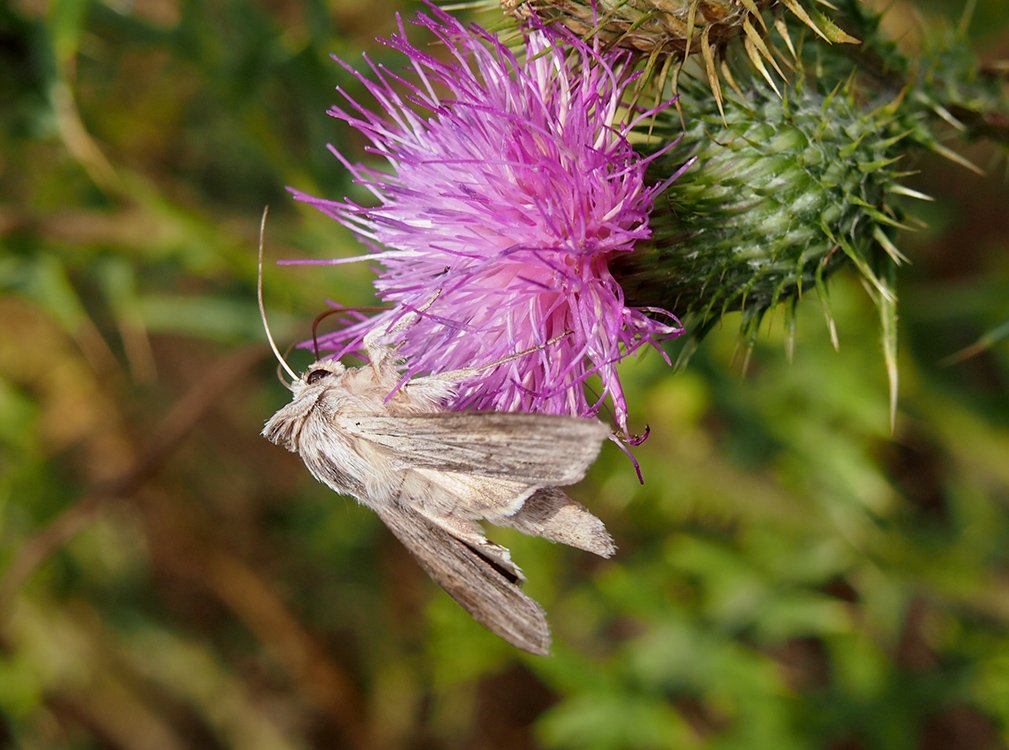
<point>474,582</point>
<point>551,514</point>
<point>535,449</point>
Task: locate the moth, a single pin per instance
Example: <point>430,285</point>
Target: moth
<point>433,475</point>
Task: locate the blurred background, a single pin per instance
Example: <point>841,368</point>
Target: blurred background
<point>791,575</point>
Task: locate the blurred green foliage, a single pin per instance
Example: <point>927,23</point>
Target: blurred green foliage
<point>791,576</point>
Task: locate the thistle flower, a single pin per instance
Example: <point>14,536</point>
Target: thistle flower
<point>513,186</point>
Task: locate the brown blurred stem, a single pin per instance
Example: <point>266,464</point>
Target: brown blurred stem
<point>177,424</point>
<point>991,125</point>
<point>240,587</point>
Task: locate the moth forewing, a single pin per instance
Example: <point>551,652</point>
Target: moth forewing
<point>534,448</point>
<point>492,600</point>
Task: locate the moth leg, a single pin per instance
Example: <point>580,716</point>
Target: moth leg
<point>456,376</point>
<point>378,352</point>
<point>553,515</point>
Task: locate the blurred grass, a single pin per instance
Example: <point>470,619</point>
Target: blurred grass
<point>791,575</point>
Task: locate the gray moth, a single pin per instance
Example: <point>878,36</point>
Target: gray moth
<point>433,475</point>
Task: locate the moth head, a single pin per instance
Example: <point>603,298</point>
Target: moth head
<point>323,370</point>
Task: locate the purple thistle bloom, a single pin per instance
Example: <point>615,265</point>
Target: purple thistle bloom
<point>511,189</point>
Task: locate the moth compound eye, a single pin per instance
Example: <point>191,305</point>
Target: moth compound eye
<point>316,375</point>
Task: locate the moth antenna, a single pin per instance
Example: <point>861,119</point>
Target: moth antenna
<point>259,296</point>
<point>315,331</point>
<point>519,355</point>
<point>336,311</point>
<point>282,380</point>
<point>458,375</point>
<point>280,370</point>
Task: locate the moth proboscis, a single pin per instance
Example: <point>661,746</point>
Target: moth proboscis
<point>433,475</point>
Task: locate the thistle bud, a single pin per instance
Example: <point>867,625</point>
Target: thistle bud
<point>785,191</point>
<point>644,25</point>
<point>677,28</point>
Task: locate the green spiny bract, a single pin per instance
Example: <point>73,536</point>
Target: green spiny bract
<point>784,192</point>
